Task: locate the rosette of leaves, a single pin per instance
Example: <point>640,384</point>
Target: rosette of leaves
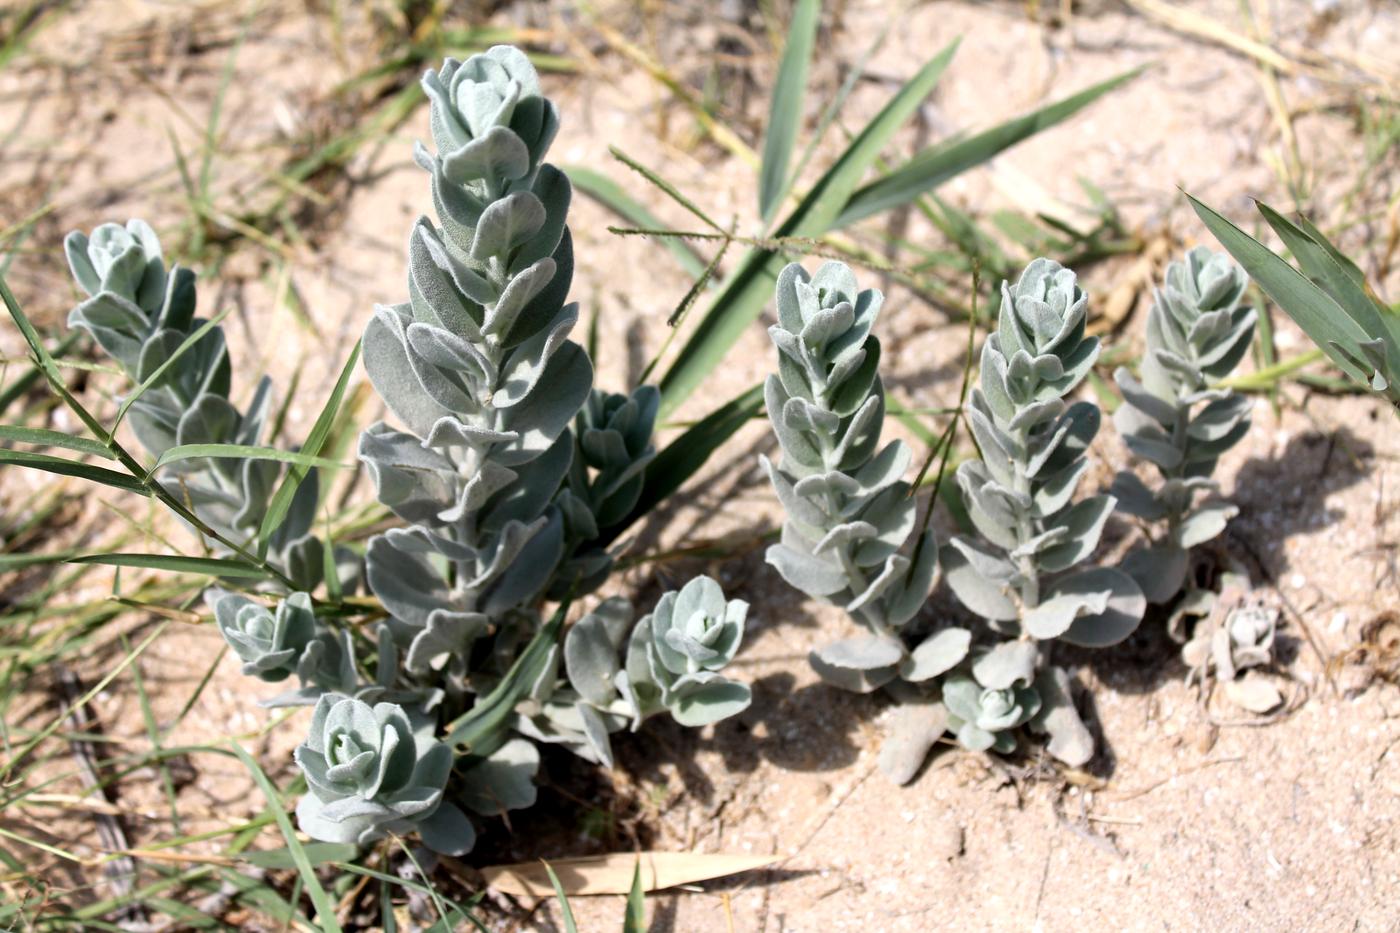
<point>1177,420</point>
<point>273,644</point>
<point>676,653</point>
<point>478,369</point>
<point>369,773</point>
<point>142,315</point>
<point>1021,575</point>
<point>849,514</point>
<point>620,673</point>
<point>269,643</point>
<point>994,698</point>
<point>1234,648</point>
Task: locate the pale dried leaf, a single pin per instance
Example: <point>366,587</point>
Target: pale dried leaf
<point>1254,694</point>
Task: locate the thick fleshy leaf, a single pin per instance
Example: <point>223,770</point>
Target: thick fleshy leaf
<point>407,585</point>
<point>1160,571</point>
<point>1135,498</point>
<point>1009,664</point>
<point>507,223</point>
<point>1083,523</point>
<point>503,781</point>
<point>543,416</point>
<point>939,653</point>
<point>1070,741</point>
<point>811,575</point>
<point>711,703</point>
<point>979,578</point>
<point>1204,524</point>
<point>591,659</point>
<point>1254,694</point>
<point>386,360</point>
<point>866,653</point>
<point>906,595</point>
<point>448,831</point>
<point>915,726</point>
<point>1124,610</point>
<point>859,664</point>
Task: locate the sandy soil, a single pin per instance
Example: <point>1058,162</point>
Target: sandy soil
<point>1189,819</point>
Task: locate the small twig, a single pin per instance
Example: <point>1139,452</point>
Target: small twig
<point>1143,791</point>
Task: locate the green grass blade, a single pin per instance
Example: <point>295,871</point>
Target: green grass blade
<point>634,920</point>
<point>317,853</point>
<point>832,110</point>
<point>211,132</point>
<point>566,912</point>
<point>23,383</point>
<point>1339,277</point>
<point>750,288</point>
<point>315,441</point>
<point>45,438</point>
<point>1351,269</point>
<point>937,164</point>
<point>11,562</point>
<point>244,452</point>
<point>27,26</point>
<point>176,563</point>
<point>488,716</point>
<point>1315,312</point>
<point>64,467</point>
<point>609,193</point>
<point>785,115</point>
<point>325,908</point>
<point>684,456</point>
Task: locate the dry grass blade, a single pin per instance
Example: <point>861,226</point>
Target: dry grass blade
<point>612,873</point>
<point>1201,26</point>
<point>720,133</point>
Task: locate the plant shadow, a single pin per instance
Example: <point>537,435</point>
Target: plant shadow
<point>1286,494</point>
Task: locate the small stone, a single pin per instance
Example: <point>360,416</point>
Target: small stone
<point>948,841</point>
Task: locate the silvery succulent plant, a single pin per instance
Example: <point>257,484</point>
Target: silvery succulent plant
<point>369,773</point>
<point>506,464</point>
<point>140,313</point>
<point>1233,644</point>
<point>270,644</point>
<point>676,653</point>
<point>850,515</point>
<point>1021,577</point>
<point>620,673</point>
<point>581,710</point>
<point>1176,419</point>
<point>984,717</point>
<point>288,639</point>
<point>613,435</point>
<point>511,471</point>
<point>478,368</point>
